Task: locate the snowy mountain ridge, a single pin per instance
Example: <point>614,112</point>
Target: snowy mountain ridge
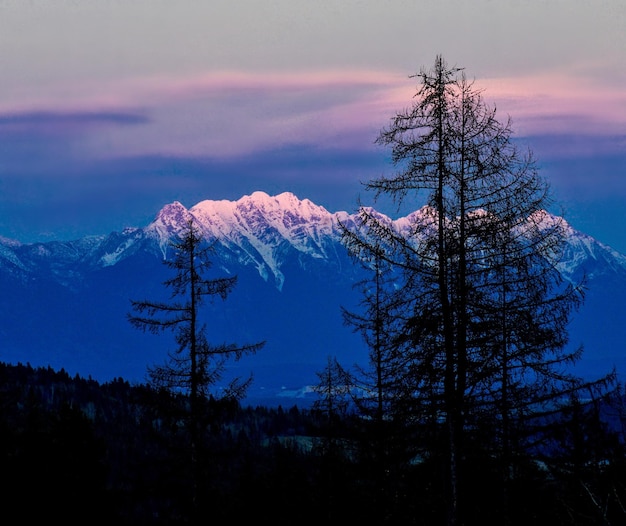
<point>583,251</point>
<point>259,227</point>
<point>261,230</point>
<point>64,303</point>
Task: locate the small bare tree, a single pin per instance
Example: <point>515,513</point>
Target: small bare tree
<point>196,365</point>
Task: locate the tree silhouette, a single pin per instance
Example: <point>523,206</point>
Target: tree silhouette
<point>477,313</point>
<point>196,365</point>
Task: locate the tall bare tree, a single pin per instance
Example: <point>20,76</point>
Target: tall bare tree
<point>196,365</point>
<point>479,309</point>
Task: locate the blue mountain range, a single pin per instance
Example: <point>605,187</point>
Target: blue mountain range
<point>64,304</point>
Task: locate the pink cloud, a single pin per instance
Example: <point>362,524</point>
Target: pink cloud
<point>231,113</point>
<point>131,92</point>
<point>560,104</point>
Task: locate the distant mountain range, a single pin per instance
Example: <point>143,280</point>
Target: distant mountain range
<point>64,304</point>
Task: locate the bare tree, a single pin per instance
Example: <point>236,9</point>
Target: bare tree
<point>478,312</point>
<point>196,366</point>
<point>379,392</point>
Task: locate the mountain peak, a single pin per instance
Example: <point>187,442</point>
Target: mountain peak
<point>285,201</point>
<point>262,228</point>
<point>169,221</point>
<point>172,212</point>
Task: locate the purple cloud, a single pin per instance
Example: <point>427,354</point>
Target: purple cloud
<point>229,114</point>
<point>45,122</point>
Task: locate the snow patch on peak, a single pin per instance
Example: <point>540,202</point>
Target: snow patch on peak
<point>263,229</point>
<point>584,253</point>
<point>543,220</point>
<point>208,206</point>
<point>287,200</point>
<point>7,247</point>
<point>258,196</point>
<point>111,258</point>
<point>172,211</point>
<point>9,242</point>
<point>169,222</point>
<point>425,215</point>
<point>283,205</point>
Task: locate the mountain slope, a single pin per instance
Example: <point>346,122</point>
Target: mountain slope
<point>65,304</point>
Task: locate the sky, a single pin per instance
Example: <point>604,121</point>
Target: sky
<point>110,109</point>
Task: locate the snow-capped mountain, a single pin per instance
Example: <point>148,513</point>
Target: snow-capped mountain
<point>65,303</point>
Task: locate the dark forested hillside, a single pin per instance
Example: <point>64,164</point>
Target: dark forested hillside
<point>75,450</point>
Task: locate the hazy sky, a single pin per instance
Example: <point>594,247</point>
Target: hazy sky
<point>111,109</point>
